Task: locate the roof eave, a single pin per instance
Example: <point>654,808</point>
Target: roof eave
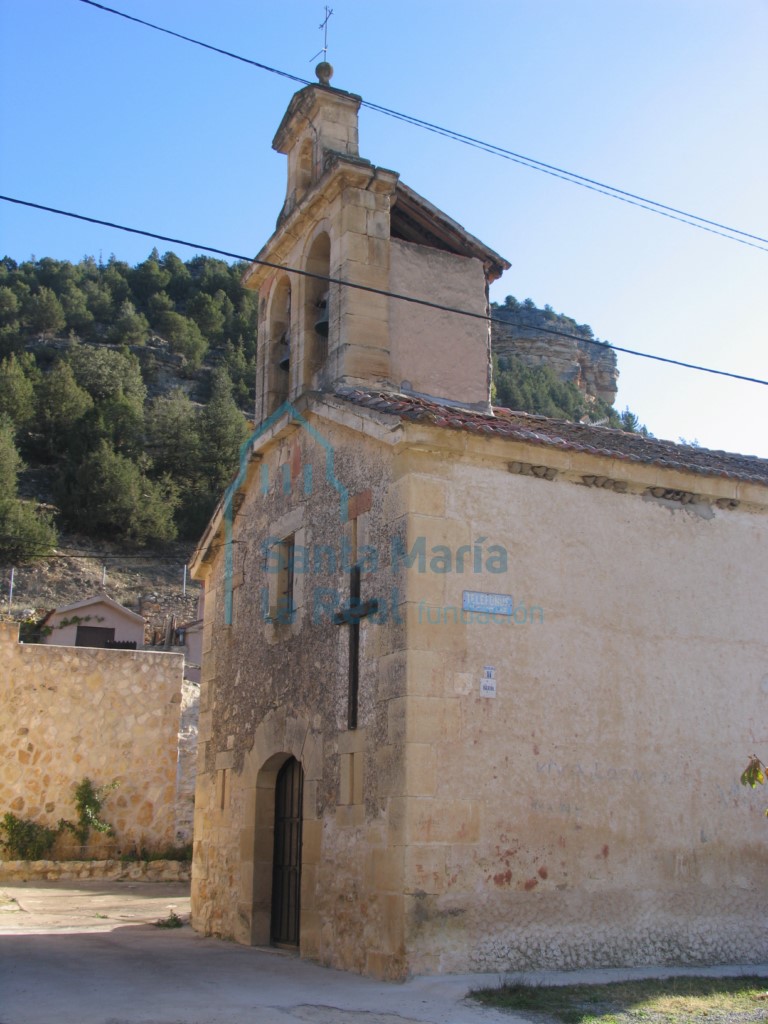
<point>450,231</point>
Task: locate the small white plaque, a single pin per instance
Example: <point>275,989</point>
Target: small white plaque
<point>488,682</point>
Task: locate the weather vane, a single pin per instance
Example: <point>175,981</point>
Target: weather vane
<point>323,26</point>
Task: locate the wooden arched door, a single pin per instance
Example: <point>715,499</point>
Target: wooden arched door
<point>286,861</point>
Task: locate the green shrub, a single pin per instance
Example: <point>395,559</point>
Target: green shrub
<point>88,801</point>
<point>27,840</point>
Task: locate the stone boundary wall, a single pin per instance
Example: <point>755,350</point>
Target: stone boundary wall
<point>113,870</point>
<point>186,768</point>
<point>71,712</point>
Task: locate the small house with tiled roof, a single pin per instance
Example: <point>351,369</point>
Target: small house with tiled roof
<point>95,621</point>
<point>477,686</point>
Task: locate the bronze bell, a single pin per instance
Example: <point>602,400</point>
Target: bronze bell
<point>284,352</point>
<point>321,324</point>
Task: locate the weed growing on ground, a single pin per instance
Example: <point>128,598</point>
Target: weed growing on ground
<point>172,921</point>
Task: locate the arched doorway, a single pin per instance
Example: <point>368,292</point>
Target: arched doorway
<point>286,859</point>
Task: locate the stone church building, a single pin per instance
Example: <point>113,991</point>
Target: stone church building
<point>477,685</point>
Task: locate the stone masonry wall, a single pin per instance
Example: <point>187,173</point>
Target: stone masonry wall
<point>71,712</point>
<point>583,810</point>
<point>78,870</point>
<point>186,768</point>
<point>273,690</point>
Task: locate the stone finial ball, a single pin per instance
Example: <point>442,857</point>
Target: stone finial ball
<point>324,72</point>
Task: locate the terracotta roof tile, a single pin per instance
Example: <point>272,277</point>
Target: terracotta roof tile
<point>562,434</point>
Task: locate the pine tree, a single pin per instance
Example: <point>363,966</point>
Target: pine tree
<point>223,431</point>
<point>17,391</point>
<point>25,533</point>
<point>61,406</point>
<point>130,328</point>
<point>43,313</point>
<point>110,496</point>
<point>173,436</point>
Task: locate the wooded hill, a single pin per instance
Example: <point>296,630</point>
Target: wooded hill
<point>125,390</point>
<point>127,386</point>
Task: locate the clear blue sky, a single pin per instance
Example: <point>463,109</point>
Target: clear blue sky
<point>664,98</point>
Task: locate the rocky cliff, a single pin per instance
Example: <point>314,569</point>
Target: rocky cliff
<point>526,332</point>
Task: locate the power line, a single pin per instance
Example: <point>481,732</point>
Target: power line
<point>102,559</point>
<point>575,179</point>
<point>374,291</point>
<point>197,42</point>
<point>612,192</point>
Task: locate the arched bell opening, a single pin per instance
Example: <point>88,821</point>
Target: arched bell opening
<point>279,369</point>
<point>317,307</point>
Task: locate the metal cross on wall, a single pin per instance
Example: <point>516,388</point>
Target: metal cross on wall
<point>351,616</point>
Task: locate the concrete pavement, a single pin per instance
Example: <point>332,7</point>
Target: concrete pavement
<point>88,953</point>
